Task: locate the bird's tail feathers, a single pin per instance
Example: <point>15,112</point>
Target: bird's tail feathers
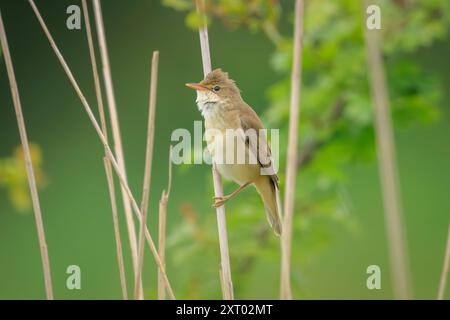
<point>270,195</point>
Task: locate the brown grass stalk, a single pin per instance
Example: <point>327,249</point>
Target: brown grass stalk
<point>147,171</point>
<point>226,281</point>
<point>445,268</point>
<point>291,161</point>
<point>162,229</point>
<point>108,170</point>
<point>398,252</point>
<point>28,161</point>
<point>119,250</point>
<point>114,119</point>
<point>103,140</point>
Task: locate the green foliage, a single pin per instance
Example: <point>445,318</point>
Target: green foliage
<point>13,177</point>
<point>336,128</point>
<point>252,14</point>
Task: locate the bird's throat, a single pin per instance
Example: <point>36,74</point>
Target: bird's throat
<point>209,103</point>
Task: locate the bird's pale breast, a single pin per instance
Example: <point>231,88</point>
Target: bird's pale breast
<point>227,145</point>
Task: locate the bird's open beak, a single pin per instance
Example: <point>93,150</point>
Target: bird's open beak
<point>196,86</point>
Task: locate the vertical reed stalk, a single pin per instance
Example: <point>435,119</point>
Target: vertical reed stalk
<point>147,171</point>
<point>108,170</point>
<point>444,274</point>
<point>28,161</point>
<point>162,229</point>
<point>109,89</point>
<point>387,168</point>
<point>119,250</point>
<point>227,284</point>
<point>291,161</point>
<point>103,140</point>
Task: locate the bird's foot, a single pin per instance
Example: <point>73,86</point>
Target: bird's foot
<point>220,201</point>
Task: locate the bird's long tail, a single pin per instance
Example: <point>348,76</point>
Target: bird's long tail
<point>269,193</point>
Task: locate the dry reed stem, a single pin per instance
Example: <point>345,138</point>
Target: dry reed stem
<point>108,170</point>
<point>162,218</point>
<point>147,170</point>
<point>291,161</point>
<point>119,250</point>
<point>444,274</point>
<point>28,161</point>
<point>109,89</point>
<point>98,90</point>
<point>102,138</point>
<point>162,229</point>
<point>387,168</point>
<point>226,281</point>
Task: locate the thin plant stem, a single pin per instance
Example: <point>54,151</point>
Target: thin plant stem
<point>226,281</point>
<point>398,251</point>
<point>163,202</point>
<point>291,161</point>
<point>98,89</point>
<point>108,170</point>
<point>119,250</point>
<point>445,268</point>
<point>147,170</point>
<point>28,162</point>
<point>103,140</point>
<point>109,89</point>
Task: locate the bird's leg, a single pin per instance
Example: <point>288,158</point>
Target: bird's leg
<point>220,201</point>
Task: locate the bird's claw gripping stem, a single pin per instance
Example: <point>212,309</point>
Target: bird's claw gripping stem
<point>220,201</point>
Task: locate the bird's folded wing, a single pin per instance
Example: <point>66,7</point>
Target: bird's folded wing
<point>259,146</point>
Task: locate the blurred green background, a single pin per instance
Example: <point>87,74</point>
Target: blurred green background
<point>331,253</point>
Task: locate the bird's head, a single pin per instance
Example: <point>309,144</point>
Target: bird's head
<point>216,87</point>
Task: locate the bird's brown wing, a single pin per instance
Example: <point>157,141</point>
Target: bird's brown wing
<point>250,120</point>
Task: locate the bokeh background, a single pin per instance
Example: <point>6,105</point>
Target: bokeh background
<point>339,221</point>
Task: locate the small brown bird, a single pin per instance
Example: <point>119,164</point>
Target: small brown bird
<point>220,102</point>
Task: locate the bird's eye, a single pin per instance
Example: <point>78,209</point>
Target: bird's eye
<point>216,88</point>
